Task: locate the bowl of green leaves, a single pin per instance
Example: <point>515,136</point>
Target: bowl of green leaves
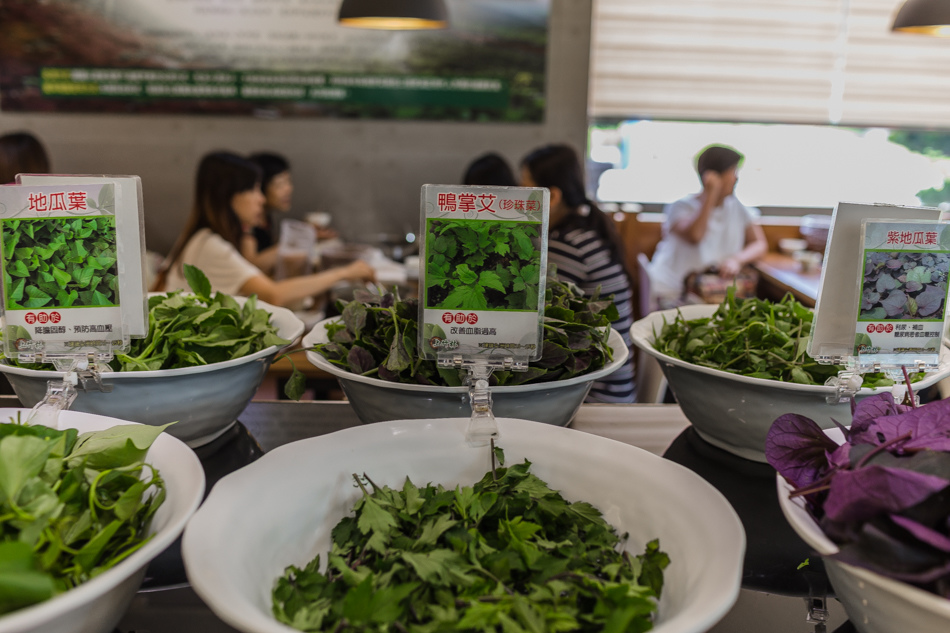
<point>402,526</point>
<point>202,361</point>
<point>735,367</point>
<point>384,381</point>
<point>85,508</point>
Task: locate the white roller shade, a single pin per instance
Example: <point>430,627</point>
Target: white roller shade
<point>799,61</point>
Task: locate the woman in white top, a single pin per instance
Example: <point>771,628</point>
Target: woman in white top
<point>711,228</point>
<point>228,205</point>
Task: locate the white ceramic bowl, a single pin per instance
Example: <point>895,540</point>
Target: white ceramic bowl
<point>874,603</point>
<point>299,491</point>
<point>376,400</point>
<point>205,401</point>
<point>735,412</point>
<point>97,605</point>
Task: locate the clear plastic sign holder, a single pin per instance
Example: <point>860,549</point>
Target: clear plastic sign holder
<point>482,273</point>
<point>882,297</point>
<point>65,267</point>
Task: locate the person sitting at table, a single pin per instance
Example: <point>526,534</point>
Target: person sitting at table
<point>584,245</point>
<point>260,248</point>
<point>489,169</point>
<point>707,229</point>
<point>228,204</point>
<point>21,153</point>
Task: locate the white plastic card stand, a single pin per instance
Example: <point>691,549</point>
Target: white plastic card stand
<point>64,277</point>
<point>883,293</point>
<point>482,274</point>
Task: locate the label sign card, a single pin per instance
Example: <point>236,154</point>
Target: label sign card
<point>130,232</point>
<point>60,269</point>
<point>903,302</point>
<point>482,276</point>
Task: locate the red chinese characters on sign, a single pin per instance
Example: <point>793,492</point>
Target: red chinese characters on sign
<point>447,202</point>
<point>915,238</point>
<point>485,201</point>
<point>77,200</point>
<point>466,202</point>
<point>478,203</point>
<point>57,201</point>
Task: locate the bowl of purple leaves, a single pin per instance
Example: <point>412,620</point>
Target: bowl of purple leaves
<point>874,501</point>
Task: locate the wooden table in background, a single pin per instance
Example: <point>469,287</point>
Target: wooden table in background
<point>780,274</point>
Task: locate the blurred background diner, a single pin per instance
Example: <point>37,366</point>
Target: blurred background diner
<point>228,203</point>
<point>21,153</point>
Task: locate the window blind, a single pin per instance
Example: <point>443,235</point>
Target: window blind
<point>801,61</point>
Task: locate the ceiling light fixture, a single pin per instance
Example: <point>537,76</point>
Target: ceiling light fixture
<point>927,17</point>
<point>400,15</point>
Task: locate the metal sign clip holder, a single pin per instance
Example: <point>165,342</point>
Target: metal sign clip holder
<point>482,428</point>
<point>81,372</point>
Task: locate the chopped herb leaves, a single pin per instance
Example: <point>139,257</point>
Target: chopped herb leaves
<point>506,554</point>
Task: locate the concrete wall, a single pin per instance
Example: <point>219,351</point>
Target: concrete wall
<point>366,173</point>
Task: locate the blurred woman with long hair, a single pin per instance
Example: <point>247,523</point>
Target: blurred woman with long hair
<point>585,245</point>
<point>228,204</point>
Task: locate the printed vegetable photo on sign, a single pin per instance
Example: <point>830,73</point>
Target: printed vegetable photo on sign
<point>482,265</point>
<point>60,262</point>
<point>904,285</point>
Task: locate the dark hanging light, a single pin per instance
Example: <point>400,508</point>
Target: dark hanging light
<point>394,14</point>
<point>927,17</point>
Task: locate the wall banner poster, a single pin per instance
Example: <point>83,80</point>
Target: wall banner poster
<point>272,58</point>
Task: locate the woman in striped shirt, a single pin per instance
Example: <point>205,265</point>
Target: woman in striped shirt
<point>585,246</point>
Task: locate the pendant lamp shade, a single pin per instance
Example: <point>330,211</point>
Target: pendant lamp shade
<point>927,17</point>
<point>394,14</point>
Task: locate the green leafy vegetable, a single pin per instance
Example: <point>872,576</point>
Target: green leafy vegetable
<point>506,554</point>
<point>60,262</point>
<point>753,337</point>
<point>186,330</point>
<point>377,336</point>
<point>71,506</point>
<point>482,265</point>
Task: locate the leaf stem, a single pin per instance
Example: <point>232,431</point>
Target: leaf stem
<point>910,390</point>
<point>883,447</point>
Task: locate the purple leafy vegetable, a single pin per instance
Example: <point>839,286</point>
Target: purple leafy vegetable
<point>929,536</point>
<point>884,495</point>
<point>860,494</point>
<point>869,409</point>
<point>928,427</point>
<point>797,448</point>
<point>930,300</point>
<point>894,303</point>
<point>360,360</point>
